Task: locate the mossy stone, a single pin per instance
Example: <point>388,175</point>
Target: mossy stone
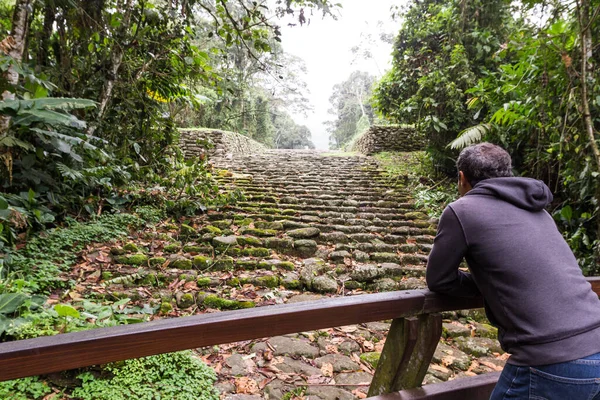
<point>171,227</point>
<point>106,275</point>
<point>305,248</point>
<point>279,244</point>
<point>223,264</point>
<point>172,248</point>
<point>222,224</point>
<point>385,257</point>
<point>187,230</point>
<point>190,248</point>
<point>287,265</point>
<point>185,300</point>
<point>249,241</point>
<point>186,277</point>
<point>259,232</point>
<point>150,279</point>
<point>135,259</point>
<point>201,262</point>
<point>289,212</point>
<point>270,281</point>
<point>182,263</point>
<point>212,229</point>
<point>269,225</point>
<point>222,242</point>
<point>352,285</point>
<point>117,251</point>
<point>233,282</point>
<point>131,248</point>
<point>157,261</point>
<point>245,221</point>
<point>248,265</point>
<point>212,301</point>
<point>256,252</point>
<point>203,281</point>
<point>371,358</point>
<point>292,284</point>
<point>234,251</point>
<point>304,233</point>
<point>166,307</point>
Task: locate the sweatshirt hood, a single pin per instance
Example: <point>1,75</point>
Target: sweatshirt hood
<point>526,193</point>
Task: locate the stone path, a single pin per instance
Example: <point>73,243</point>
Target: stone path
<point>312,224</point>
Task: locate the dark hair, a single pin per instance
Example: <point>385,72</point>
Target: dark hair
<point>483,161</point>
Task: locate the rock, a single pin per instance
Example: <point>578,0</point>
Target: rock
<point>304,233</point>
<point>291,366</point>
<point>185,300</point>
<point>353,378</point>
<point>455,329</point>
<point>385,285</point>
<point>224,241</point>
<point>411,284</point>
<point>451,357</point>
<point>249,241</point>
<point>181,263</point>
<point>440,372</point>
<point>269,225</point>
<point>360,256</point>
<point>429,379</point>
<point>364,273</point>
<point>290,346</point>
<point>339,255</point>
<point>348,347</point>
<point>477,314</point>
<point>305,248</point>
<point>304,297</point>
<point>242,397</point>
<point>225,387</point>
<point>276,389</point>
<point>478,347</point>
<point>485,330</point>
<point>282,244</point>
<point>385,257</point>
<point>324,284</point>
<point>237,365</point>
<point>328,393</point>
<point>378,326</point>
<point>340,362</point>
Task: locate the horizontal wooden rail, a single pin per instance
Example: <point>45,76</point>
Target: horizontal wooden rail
<point>474,388</point>
<point>45,355</point>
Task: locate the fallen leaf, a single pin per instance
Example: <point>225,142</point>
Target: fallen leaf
<point>245,385</point>
<point>359,394</point>
<point>327,369</point>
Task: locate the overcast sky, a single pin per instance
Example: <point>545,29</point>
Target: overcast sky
<point>325,47</point>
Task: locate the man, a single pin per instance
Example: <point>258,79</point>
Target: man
<point>548,317</point>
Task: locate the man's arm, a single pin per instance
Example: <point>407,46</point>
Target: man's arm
<point>449,248</point>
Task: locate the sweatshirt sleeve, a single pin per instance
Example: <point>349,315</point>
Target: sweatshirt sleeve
<point>449,248</point>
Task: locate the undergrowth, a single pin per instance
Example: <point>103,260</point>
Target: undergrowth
<point>432,192</point>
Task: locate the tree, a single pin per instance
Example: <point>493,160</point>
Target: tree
<point>351,105</point>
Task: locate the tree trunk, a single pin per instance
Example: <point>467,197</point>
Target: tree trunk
<point>116,58</point>
<point>43,52</point>
<point>14,46</point>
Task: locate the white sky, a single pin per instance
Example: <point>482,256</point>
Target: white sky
<point>325,47</point>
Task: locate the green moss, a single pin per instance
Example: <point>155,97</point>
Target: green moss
<point>212,229</point>
<point>247,265</point>
<point>187,230</point>
<point>371,358</point>
<point>117,251</point>
<point>186,277</point>
<point>279,243</point>
<point>287,265</point>
<point>353,285</point>
<point>197,249</point>
<point>289,212</point>
<point>234,251</point>
<point>182,263</point>
<point>203,281</point>
<point>171,227</point>
<point>270,281</point>
<point>233,282</point>
<point>256,252</point>
<point>415,215</point>
<point>150,279</point>
<point>269,225</point>
<point>106,275</point>
<point>212,301</point>
<point>224,264</point>
<point>131,248</point>
<point>259,232</point>
<point>157,261</point>
<point>293,284</point>
<point>134,259</point>
<point>249,241</point>
<point>223,224</point>
<point>172,248</point>
<point>201,261</point>
<point>166,307</point>
<point>264,265</point>
<point>187,300</point>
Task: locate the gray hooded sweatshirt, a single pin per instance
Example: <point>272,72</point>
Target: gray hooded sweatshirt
<point>534,291</point>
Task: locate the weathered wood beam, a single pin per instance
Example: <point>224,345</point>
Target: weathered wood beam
<point>474,388</point>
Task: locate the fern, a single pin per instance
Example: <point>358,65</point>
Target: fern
<point>69,173</point>
<point>470,135</point>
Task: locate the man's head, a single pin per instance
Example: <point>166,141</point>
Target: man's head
<point>479,162</point>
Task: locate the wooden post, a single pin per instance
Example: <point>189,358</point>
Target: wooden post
<point>407,353</point>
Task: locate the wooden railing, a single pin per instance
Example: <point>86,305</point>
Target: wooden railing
<point>415,331</point>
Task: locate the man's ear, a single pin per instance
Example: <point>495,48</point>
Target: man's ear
<point>463,184</point>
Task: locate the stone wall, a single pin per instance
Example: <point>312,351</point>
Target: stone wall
<point>380,138</point>
<point>194,142</point>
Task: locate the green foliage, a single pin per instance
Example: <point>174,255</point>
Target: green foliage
<point>176,375</point>
<point>440,51</point>
<point>24,389</point>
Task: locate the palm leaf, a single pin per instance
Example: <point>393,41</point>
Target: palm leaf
<point>470,135</point>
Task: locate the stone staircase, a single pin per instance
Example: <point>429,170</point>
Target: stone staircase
<point>338,209</point>
<point>311,224</point>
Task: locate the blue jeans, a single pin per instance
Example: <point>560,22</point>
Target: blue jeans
<point>572,380</point>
